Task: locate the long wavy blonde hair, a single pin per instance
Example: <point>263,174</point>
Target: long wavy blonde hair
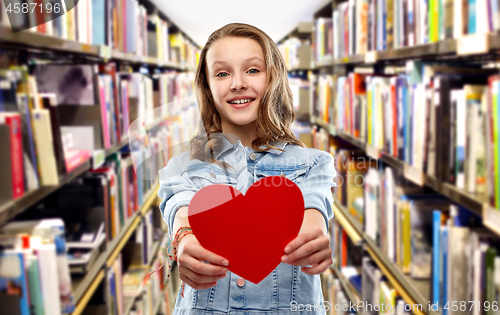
<point>275,113</point>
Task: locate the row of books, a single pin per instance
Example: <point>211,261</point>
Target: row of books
<point>322,91</point>
<point>123,25</point>
<point>419,232</point>
<point>335,295</point>
<point>360,26</point>
<point>322,42</point>
<point>439,118</point>
<point>53,117</point>
<point>290,51</point>
<point>39,255</point>
<point>372,293</point>
<point>135,282</point>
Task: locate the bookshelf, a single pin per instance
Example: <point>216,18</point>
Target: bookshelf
<point>412,291</point>
<point>348,289</point>
<point>33,47</point>
<point>445,48</point>
<point>34,42</point>
<point>14,207</point>
<point>84,290</point>
<point>474,202</point>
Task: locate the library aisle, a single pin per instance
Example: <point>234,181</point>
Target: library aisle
<point>403,94</point>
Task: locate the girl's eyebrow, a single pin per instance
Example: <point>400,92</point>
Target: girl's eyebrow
<point>246,60</point>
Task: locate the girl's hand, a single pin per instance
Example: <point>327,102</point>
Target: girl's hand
<point>311,246</point>
<point>193,271</point>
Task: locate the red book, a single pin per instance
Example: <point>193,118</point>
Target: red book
<point>40,16</point>
<point>13,121</point>
<point>74,158</point>
<point>344,249</point>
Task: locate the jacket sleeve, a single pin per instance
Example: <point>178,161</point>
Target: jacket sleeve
<point>175,191</point>
<point>317,186</point>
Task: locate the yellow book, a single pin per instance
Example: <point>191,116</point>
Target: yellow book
<point>406,237</point>
<point>45,148</point>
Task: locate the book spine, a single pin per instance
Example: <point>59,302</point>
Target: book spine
<point>472,17</point>
<point>496,141</point>
<point>444,271</point>
<point>436,255</point>
<point>16,153</point>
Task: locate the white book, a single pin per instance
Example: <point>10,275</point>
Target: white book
<point>474,93</point>
<point>335,20</point>
<point>482,26</point>
<point>495,12</point>
<point>372,188</point>
<point>458,262</point>
<point>47,263</point>
<point>458,22</point>
<point>390,209</point>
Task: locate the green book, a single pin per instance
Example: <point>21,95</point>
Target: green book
<point>431,20</point>
<point>35,291</point>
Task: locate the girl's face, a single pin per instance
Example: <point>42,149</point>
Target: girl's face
<point>237,78</point>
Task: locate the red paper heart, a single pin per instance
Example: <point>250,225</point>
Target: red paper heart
<point>252,230</point>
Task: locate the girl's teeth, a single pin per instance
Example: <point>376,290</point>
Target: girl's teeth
<point>240,101</point>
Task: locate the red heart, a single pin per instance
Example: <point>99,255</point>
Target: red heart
<point>252,230</point>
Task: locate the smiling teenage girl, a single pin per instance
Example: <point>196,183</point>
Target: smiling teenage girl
<point>243,94</point>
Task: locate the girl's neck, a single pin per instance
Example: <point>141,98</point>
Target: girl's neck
<point>246,134</point>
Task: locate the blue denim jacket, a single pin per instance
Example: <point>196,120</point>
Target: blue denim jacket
<point>285,289</point>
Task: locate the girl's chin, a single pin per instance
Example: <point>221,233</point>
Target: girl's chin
<point>243,122</point>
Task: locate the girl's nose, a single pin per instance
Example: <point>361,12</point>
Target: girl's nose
<point>238,83</point>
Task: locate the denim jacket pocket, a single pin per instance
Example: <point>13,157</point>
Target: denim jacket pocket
<point>209,174</point>
<point>295,175</point>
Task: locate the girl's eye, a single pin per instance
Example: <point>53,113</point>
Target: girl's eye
<point>221,74</point>
<point>253,71</point>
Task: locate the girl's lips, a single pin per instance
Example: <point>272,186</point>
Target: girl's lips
<point>239,106</point>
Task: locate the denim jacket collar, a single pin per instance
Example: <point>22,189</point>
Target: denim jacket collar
<point>228,145</point>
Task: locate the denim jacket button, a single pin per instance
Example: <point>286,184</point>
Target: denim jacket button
<point>240,282</point>
<point>282,174</point>
<point>253,156</point>
<point>213,174</point>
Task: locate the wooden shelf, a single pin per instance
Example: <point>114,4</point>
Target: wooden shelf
<point>438,49</point>
<point>474,202</point>
<point>41,42</point>
<point>10,209</point>
<point>412,291</point>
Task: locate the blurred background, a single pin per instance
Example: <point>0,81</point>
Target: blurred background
<point>403,94</point>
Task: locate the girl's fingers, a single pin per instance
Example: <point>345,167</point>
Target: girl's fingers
<point>198,252</point>
<point>200,278</point>
<point>312,259</point>
<point>300,240</point>
<point>197,286</point>
<point>321,267</point>
<point>307,249</point>
<point>195,265</point>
